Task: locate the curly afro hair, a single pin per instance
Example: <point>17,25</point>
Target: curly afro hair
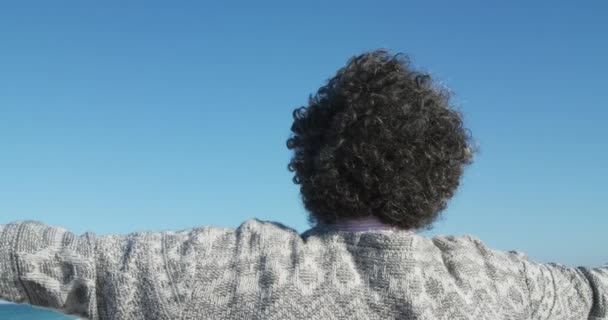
<point>379,139</point>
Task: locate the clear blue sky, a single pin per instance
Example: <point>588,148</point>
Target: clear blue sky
<point>147,115</point>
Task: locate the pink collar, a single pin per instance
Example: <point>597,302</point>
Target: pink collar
<point>369,223</point>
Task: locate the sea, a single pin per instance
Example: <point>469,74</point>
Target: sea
<point>26,312</point>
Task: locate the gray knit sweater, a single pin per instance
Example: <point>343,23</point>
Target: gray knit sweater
<point>265,270</point>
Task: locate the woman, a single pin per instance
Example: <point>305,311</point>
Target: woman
<point>378,153</point>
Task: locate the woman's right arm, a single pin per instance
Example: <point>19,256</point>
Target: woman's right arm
<point>556,290</point>
<point>550,290</point>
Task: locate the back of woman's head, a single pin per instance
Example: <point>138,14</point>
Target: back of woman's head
<point>378,139</point>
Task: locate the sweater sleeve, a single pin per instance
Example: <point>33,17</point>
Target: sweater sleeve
<point>556,290</point>
<point>47,267</point>
<point>142,275</point>
<point>553,291</point>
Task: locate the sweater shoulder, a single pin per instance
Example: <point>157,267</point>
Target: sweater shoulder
<point>473,244</point>
<point>263,226</point>
<point>265,231</point>
<point>468,252</point>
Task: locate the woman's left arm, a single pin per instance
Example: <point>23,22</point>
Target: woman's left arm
<point>48,267</point>
<point>141,275</point>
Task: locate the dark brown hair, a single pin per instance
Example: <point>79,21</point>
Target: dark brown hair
<point>378,139</point>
